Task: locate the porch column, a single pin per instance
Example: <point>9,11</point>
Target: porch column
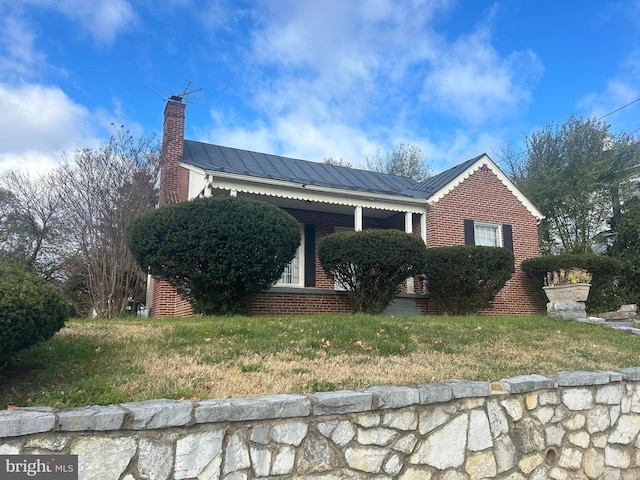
<point>423,227</point>
<point>234,193</point>
<point>408,222</point>
<point>408,227</point>
<point>357,219</point>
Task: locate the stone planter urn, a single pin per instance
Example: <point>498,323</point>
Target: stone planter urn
<point>572,292</point>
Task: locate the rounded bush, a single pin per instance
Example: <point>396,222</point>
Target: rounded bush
<point>31,310</point>
<point>217,251</point>
<point>371,264</point>
<point>466,278</point>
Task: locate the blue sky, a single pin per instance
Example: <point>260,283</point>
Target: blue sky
<point>313,78</point>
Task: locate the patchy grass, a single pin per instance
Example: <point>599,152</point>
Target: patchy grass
<point>101,362</point>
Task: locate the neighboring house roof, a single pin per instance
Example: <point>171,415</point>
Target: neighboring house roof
<point>216,158</point>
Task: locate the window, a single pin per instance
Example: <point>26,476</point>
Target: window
<point>292,274</point>
<point>487,234</point>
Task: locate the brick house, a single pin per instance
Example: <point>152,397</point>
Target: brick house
<point>471,203</point>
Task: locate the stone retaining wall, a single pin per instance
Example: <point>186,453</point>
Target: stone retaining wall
<point>573,425</point>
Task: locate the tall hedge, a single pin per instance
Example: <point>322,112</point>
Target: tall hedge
<point>217,251</point>
<point>371,264</point>
<point>465,279</point>
<point>31,310</point>
<point>604,271</point>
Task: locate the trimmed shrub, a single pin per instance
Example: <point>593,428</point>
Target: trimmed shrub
<point>604,271</point>
<point>626,249</point>
<point>31,310</point>
<point>465,279</point>
<point>218,251</point>
<point>371,264</point>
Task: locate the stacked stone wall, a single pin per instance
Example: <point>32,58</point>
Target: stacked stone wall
<point>573,425</point>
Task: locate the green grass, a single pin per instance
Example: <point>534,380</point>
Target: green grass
<point>113,361</point>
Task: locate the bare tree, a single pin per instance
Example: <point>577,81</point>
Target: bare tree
<point>338,162</point>
<point>31,223</point>
<point>102,190</point>
<point>403,159</point>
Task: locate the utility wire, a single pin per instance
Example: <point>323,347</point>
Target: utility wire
<point>522,152</point>
<point>618,109</point>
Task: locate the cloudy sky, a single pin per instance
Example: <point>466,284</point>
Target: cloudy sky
<point>313,78</point>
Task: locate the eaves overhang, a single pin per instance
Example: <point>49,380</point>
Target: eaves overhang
<point>313,193</point>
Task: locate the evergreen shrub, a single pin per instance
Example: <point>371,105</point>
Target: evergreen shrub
<point>466,278</point>
<point>217,251</point>
<point>32,310</point>
<point>371,264</point>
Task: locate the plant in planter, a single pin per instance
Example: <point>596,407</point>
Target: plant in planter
<point>568,285</point>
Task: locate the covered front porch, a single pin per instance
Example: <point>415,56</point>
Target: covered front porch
<point>304,286</point>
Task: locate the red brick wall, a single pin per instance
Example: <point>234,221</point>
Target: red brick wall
<point>483,197</point>
<point>273,303</point>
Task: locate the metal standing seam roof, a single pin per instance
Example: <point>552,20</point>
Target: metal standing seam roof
<point>211,157</point>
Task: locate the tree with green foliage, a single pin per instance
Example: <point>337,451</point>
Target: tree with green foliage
<point>405,160</point>
<point>371,264</point>
<point>32,310</point>
<point>465,279</point>
<point>576,174</point>
<point>626,248</point>
<point>218,252</point>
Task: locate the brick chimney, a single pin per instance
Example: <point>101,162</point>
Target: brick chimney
<point>172,147</point>
<point>162,298</point>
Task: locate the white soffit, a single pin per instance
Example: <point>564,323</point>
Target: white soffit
<point>315,193</point>
<point>486,161</point>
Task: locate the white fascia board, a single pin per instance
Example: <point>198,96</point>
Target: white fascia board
<point>197,180</point>
<point>486,161</point>
<point>315,193</point>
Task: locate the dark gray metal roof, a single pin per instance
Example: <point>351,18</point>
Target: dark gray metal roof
<point>243,162</point>
<point>262,165</point>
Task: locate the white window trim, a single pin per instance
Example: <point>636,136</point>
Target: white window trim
<point>301,266</point>
<point>497,226</point>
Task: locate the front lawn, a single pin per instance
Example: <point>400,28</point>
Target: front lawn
<point>99,362</point>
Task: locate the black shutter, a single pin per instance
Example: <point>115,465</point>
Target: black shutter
<point>507,237</point>
<point>469,233</point>
<point>309,255</point>
<point>507,240</point>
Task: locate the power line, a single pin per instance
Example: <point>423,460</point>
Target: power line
<point>522,152</point>
<point>618,109</point>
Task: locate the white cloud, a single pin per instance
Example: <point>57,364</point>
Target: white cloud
<point>339,78</point>
<point>19,56</point>
<point>102,19</point>
<point>470,81</point>
<point>292,136</point>
<point>39,123</point>
<point>620,90</point>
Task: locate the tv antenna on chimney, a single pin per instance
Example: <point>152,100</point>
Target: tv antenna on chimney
<point>186,92</point>
<point>169,93</point>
